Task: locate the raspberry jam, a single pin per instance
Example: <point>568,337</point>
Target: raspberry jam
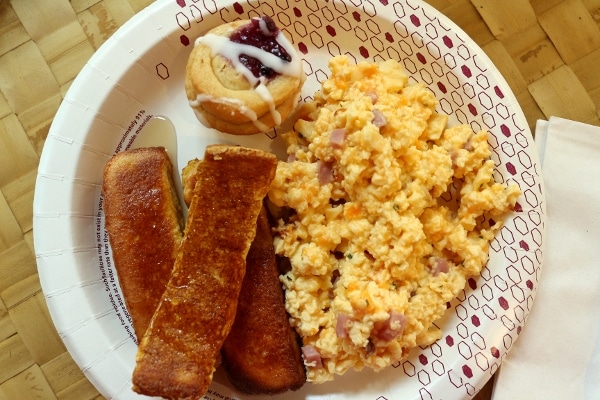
<point>261,33</point>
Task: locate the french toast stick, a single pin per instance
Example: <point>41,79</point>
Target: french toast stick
<point>144,222</point>
<point>176,357</point>
<point>261,354</point>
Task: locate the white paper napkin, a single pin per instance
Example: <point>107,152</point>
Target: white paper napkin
<point>557,355</point>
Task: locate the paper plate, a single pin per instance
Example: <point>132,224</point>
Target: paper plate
<point>138,73</point>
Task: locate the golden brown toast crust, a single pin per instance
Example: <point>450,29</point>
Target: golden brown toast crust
<point>188,180</point>
<point>177,355</point>
<point>261,353</point>
<point>144,223</point>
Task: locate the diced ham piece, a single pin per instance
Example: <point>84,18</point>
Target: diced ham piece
<point>391,328</point>
<point>341,327</point>
<point>291,157</point>
<point>441,266</point>
<point>469,145</point>
<point>373,96</point>
<point>312,356</point>
<point>337,138</point>
<point>325,172</point>
<point>454,156</point>
<point>378,118</point>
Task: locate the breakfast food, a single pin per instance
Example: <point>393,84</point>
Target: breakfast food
<point>189,180</point>
<point>177,355</point>
<point>261,353</point>
<point>391,213</point>
<point>144,223</point>
<point>243,77</point>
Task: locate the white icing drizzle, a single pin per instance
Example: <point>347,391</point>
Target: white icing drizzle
<point>221,45</point>
<point>262,24</point>
<point>238,104</point>
<point>263,92</point>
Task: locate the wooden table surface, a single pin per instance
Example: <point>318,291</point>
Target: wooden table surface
<point>548,50</point>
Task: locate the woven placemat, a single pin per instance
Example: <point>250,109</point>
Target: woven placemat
<point>548,50</point>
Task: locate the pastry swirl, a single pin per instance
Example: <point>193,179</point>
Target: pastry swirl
<point>225,93</point>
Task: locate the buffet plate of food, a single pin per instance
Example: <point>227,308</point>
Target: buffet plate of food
<point>407,199</point>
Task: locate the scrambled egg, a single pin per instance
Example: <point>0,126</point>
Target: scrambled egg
<point>389,213</point>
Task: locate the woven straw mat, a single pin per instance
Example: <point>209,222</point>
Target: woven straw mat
<point>548,50</point>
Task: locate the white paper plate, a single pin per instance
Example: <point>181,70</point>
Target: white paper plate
<point>138,73</point>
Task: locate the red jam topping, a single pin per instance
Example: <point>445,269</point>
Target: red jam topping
<point>265,38</point>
